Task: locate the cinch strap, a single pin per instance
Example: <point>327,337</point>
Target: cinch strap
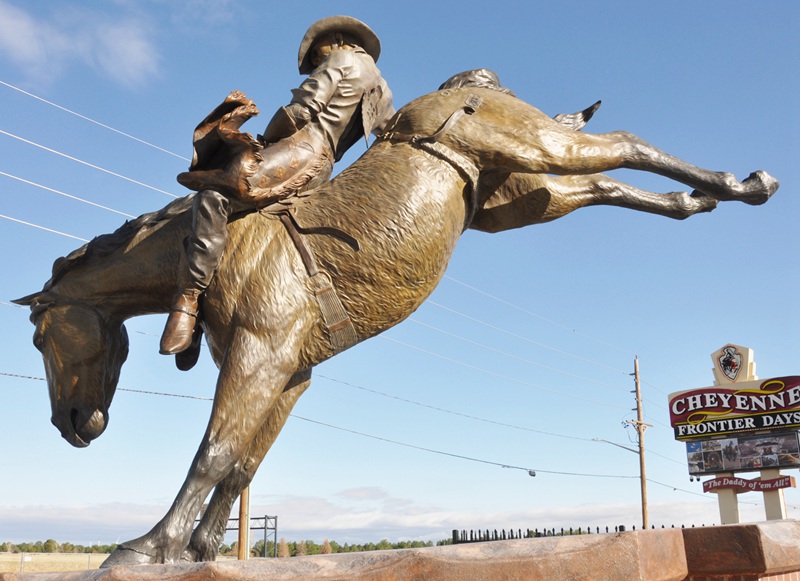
<point>341,331</point>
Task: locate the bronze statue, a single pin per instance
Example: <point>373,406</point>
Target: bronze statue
<point>343,98</point>
<point>302,280</point>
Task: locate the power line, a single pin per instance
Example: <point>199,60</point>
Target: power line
<point>42,228</point>
<point>421,448</point>
<point>163,394</point>
<point>412,402</point>
<point>474,289</point>
<point>502,465</point>
<point>432,302</point>
<point>538,316</point>
<point>475,418</point>
<point>446,411</point>
<point>435,408</point>
<point>499,375</point>
<point>523,338</point>
<point>142,391</point>
<point>456,455</point>
<point>515,335</point>
<point>561,393</point>
<point>85,118</point>
<point>60,193</point>
<point>86,163</point>
<point>511,355</point>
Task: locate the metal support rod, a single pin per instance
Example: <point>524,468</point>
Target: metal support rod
<point>244,525</point>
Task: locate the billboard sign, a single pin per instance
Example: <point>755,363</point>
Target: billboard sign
<point>744,453</point>
<point>768,404</point>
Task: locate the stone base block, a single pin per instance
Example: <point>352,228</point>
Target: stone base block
<point>655,555</point>
<point>766,550</point>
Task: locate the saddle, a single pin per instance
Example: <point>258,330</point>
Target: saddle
<point>236,164</point>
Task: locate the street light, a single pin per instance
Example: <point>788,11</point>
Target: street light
<point>642,477</point>
<point>617,445</point>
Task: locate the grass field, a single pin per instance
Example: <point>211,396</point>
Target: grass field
<point>50,562</point>
<point>43,562</point>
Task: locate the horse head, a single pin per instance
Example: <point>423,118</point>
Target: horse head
<point>83,353</point>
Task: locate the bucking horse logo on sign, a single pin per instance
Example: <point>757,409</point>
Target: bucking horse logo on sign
<point>730,362</point>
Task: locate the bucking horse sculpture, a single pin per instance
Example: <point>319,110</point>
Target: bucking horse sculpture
<point>282,297</point>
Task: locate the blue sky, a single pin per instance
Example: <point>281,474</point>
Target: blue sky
<point>520,358</point>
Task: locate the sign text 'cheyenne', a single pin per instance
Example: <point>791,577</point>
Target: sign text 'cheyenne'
<point>750,406</point>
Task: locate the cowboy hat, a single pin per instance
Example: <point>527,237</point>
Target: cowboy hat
<point>367,39</point>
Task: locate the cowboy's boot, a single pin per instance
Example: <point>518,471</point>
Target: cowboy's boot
<point>177,335</point>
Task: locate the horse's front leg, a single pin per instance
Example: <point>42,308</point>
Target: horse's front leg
<point>206,538</point>
<point>251,379</point>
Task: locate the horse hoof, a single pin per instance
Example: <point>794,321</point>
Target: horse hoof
<point>126,557</point>
<point>759,187</point>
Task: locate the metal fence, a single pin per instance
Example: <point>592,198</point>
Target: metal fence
<point>482,535</point>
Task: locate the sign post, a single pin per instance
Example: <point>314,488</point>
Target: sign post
<point>728,501</point>
<point>774,500</point>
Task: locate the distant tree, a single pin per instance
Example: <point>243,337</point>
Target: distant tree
<point>384,545</point>
<point>283,548</point>
<point>312,548</point>
<point>50,546</point>
<point>67,548</point>
<point>257,550</point>
<point>224,549</point>
<point>302,550</point>
<point>326,548</point>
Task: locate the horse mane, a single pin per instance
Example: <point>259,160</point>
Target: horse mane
<point>105,244</point>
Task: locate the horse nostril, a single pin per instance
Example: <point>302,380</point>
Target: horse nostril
<point>73,418</point>
<point>87,428</point>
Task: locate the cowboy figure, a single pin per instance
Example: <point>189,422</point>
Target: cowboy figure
<point>343,98</point>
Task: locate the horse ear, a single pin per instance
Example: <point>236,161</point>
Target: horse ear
<point>28,300</point>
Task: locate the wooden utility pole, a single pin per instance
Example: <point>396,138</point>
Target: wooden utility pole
<point>244,525</point>
<point>640,428</point>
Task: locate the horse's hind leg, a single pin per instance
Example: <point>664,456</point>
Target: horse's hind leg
<point>756,189</point>
<point>555,149</point>
<point>526,199</point>
<point>206,538</point>
<point>601,190</point>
